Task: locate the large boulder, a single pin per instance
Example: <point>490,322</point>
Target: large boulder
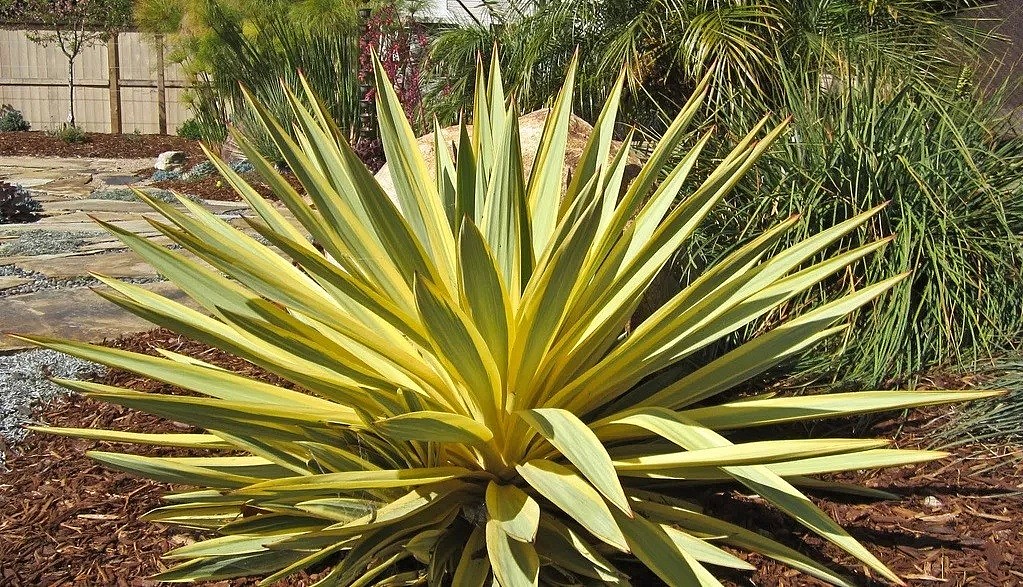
<point>530,132</point>
<point>171,161</point>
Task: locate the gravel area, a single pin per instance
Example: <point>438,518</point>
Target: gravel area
<point>127,195</point>
<point>24,386</point>
<point>41,282</point>
<point>46,242</point>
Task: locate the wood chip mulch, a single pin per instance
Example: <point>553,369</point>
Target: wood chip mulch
<point>66,521</point>
<point>104,145</point>
<point>214,187</point>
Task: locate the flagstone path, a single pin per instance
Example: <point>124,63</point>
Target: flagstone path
<point>45,266</point>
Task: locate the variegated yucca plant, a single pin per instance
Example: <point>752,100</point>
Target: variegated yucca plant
<point>471,402</point>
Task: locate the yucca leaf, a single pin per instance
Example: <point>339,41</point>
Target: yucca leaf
<point>847,489</point>
<point>483,293</point>
<point>515,563</point>
<point>171,472</point>
<point>462,350</point>
<point>593,161</point>
<point>349,481</point>
<point>416,190</point>
<point>474,564</point>
<point>741,537</point>
<point>444,171</point>
<point>505,223</point>
<point>338,509</point>
<point>763,412</point>
<point>545,181</point>
<point>749,453</point>
<point>466,188</point>
<point>517,514</point>
<point>577,498</point>
<point>227,567</point>
<point>661,554</point>
<point>225,546</point>
<point>871,459</point>
<point>208,441</point>
<point>582,448</point>
<point>561,543</point>
<point>758,478</point>
<point>703,551</point>
<point>435,427</point>
<point>269,524</point>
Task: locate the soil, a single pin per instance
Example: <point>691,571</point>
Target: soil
<point>68,521</point>
<point>103,145</point>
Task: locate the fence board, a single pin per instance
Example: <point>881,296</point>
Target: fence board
<point>33,79</point>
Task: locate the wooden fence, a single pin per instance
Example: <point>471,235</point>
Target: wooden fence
<point>121,86</point>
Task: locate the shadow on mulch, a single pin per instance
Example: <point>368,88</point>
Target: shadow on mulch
<point>66,521</point>
<point>36,143</point>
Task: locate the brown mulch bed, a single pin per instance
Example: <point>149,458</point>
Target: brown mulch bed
<point>956,524</point>
<point>214,187</point>
<point>66,521</point>
<point>118,146</point>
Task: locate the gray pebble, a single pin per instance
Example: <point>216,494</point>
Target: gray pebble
<point>24,387</point>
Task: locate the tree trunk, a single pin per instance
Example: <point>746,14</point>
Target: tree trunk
<point>161,86</point>
<point>71,91</point>
<point>114,82</point>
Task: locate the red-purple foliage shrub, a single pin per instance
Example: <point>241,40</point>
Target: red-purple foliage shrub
<point>401,44</point>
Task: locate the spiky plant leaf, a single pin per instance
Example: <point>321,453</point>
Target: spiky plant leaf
<point>468,401</point>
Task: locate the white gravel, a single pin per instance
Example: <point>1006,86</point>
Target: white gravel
<point>24,387</point>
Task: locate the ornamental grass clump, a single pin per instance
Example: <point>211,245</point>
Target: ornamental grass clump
<point>470,403</point>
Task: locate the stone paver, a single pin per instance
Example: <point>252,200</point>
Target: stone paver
<point>58,207</point>
<point>115,264</point>
<point>60,306</point>
<point>9,282</point>
<point>77,314</point>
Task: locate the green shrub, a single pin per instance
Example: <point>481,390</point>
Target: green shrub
<point>71,134</point>
<point>950,166</point>
<point>190,129</point>
<point>17,204</point>
<point>470,406</point>
<point>198,129</point>
<point>11,119</point>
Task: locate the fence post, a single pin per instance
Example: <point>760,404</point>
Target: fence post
<point>161,85</point>
<point>114,79</point>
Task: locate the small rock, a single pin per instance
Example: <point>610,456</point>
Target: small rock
<point>933,502</point>
<point>171,161</point>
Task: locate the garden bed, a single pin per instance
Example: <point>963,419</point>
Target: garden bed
<point>69,521</point>
<point>105,145</point>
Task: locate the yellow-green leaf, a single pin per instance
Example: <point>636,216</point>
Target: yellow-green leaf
<point>516,512</point>
<point>582,448</point>
<point>435,427</point>
<point>577,498</point>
